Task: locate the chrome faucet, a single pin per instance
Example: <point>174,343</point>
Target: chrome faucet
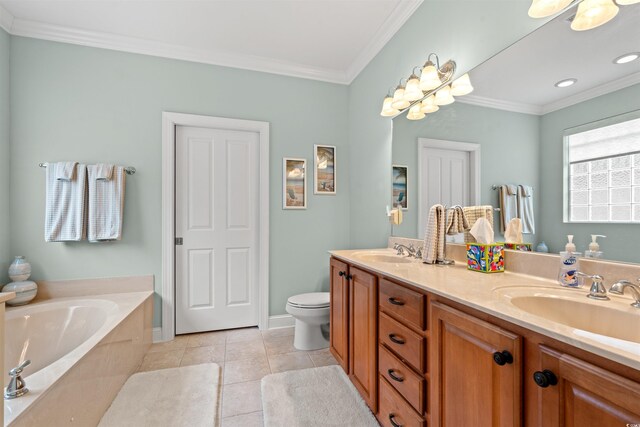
<point>597,290</point>
<point>620,286</point>
<point>16,387</point>
<point>411,250</point>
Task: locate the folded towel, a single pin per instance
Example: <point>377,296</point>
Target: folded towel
<point>473,213</point>
<point>104,171</point>
<point>65,171</point>
<point>65,205</point>
<point>434,236</point>
<point>525,209</point>
<point>508,205</point>
<point>106,205</point>
<point>456,221</point>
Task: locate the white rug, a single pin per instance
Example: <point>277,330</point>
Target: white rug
<point>187,396</point>
<point>313,397</point>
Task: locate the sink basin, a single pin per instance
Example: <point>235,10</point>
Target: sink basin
<point>382,257</point>
<point>570,307</point>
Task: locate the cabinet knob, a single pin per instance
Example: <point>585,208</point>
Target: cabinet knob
<point>342,274</point>
<point>502,357</point>
<point>395,339</point>
<point>545,378</point>
<point>392,419</point>
<point>394,301</point>
<point>394,377</point>
<point>349,277</point>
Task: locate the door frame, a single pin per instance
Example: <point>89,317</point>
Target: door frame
<point>169,122</point>
<point>474,170</point>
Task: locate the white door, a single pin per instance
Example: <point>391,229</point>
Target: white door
<point>445,180</point>
<point>217,199</point>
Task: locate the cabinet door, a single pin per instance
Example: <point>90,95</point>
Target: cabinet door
<point>476,371</point>
<point>363,332</point>
<point>339,317</point>
<point>585,395</point>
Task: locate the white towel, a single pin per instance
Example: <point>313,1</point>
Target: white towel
<point>434,236</point>
<point>104,171</point>
<point>65,205</point>
<point>106,205</point>
<point>456,221</point>
<point>508,205</point>
<point>473,213</point>
<point>525,209</point>
<point>65,171</point>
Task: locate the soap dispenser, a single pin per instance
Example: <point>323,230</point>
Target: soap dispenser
<point>569,264</point>
<point>594,248</point>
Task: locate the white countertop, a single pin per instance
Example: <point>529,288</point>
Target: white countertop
<point>480,291</point>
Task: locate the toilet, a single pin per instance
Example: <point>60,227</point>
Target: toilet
<point>311,312</point>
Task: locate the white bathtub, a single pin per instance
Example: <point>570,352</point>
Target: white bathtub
<point>82,349</point>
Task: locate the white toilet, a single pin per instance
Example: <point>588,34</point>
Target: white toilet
<point>311,312</point>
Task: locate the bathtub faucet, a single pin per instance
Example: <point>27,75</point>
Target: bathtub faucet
<point>17,387</point>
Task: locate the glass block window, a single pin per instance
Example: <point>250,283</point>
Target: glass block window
<point>603,165</point>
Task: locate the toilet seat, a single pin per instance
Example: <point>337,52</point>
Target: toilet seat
<point>310,300</point>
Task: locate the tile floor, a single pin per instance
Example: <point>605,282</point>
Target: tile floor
<point>245,356</point>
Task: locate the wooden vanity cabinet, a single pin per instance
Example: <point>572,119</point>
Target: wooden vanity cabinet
<point>339,312</point>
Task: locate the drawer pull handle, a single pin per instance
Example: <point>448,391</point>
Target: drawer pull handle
<point>502,357</point>
<point>392,418</point>
<point>394,301</point>
<point>395,339</point>
<point>545,378</point>
<point>394,376</point>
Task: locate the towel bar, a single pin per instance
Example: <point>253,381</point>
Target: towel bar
<point>130,170</point>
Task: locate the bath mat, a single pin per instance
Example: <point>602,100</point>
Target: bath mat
<point>186,396</point>
<point>313,397</point>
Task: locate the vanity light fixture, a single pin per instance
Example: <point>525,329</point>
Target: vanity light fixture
<point>412,91</point>
<point>415,113</point>
<point>387,109</point>
<point>398,102</point>
<point>593,13</point>
<point>544,8</point>
<point>429,105</point>
<point>443,96</point>
<point>627,57</point>
<point>566,83</point>
<point>461,86</point>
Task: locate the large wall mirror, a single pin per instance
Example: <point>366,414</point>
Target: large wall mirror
<point>513,129</point>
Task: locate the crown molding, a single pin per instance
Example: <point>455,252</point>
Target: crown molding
<point>516,107</point>
<point>401,13</point>
<point>604,89</point>
<point>6,19</point>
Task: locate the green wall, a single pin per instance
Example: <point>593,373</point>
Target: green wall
<point>509,147</point>
<point>622,239</point>
<point>468,32</point>
<point>77,103</point>
<point>5,118</point>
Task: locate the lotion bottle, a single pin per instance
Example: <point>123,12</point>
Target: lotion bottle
<point>594,248</point>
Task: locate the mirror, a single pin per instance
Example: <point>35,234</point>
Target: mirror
<point>517,117</point>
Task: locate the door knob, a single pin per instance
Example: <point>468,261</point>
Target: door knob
<point>545,378</point>
<point>502,357</point>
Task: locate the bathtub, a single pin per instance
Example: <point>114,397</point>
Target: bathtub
<point>82,349</point>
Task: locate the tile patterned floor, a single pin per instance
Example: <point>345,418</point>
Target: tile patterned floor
<point>245,356</point>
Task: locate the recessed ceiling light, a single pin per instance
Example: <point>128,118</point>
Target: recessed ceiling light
<point>566,82</point>
<point>627,57</point>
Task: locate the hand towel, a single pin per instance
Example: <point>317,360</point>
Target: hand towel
<point>104,171</point>
<point>508,204</point>
<point>434,236</point>
<point>65,171</point>
<point>513,233</point>
<point>473,213</point>
<point>456,221</point>
<point>525,209</point>
<point>106,205</point>
<point>65,205</point>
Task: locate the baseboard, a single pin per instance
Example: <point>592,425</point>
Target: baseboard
<point>281,321</point>
<point>157,334</point>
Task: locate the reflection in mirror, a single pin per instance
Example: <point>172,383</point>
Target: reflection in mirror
<point>518,115</point>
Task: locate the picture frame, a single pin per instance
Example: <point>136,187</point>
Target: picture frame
<point>399,186</point>
<point>294,183</point>
<point>324,167</point>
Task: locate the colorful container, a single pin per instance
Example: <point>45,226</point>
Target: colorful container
<point>519,246</point>
<point>485,258</point>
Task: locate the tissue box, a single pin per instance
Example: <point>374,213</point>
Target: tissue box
<point>486,258</point>
<point>518,246</point>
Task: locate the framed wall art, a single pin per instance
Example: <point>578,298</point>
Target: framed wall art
<point>400,186</point>
<point>324,169</point>
<point>294,183</point>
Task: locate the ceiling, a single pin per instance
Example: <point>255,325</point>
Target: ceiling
<point>522,77</point>
<point>329,40</point>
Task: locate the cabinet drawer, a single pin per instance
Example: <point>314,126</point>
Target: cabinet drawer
<point>410,385</point>
<point>394,411</point>
<point>409,345</point>
<point>402,302</point>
